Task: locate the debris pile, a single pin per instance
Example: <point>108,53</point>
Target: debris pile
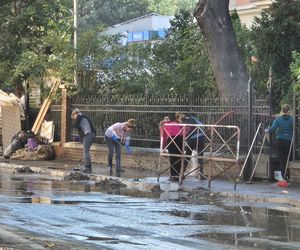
<point>77,176</point>
<point>27,146</point>
<point>42,153</point>
<point>24,170</point>
<point>110,183</point>
<point>156,189</point>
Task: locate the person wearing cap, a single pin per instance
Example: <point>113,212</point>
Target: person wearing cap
<point>283,126</point>
<point>115,136</point>
<point>87,134</point>
<point>173,140</point>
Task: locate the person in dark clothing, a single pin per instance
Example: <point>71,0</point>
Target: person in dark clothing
<point>283,125</point>
<point>87,134</point>
<point>195,141</point>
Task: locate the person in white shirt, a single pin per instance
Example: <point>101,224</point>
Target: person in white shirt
<point>115,136</point>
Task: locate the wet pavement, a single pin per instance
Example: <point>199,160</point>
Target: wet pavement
<point>92,216</point>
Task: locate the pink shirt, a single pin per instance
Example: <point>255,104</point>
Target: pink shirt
<point>170,131</point>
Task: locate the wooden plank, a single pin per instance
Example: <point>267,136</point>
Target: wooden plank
<point>41,116</point>
<point>44,108</point>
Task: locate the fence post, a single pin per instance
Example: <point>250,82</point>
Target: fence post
<point>249,166</point>
<point>294,123</point>
<point>270,167</point>
<point>64,112</point>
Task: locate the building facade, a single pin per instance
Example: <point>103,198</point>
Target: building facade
<point>248,9</point>
<point>142,29</point>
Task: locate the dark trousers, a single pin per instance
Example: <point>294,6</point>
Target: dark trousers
<point>192,145</point>
<point>87,143</point>
<point>175,161</point>
<point>112,147</point>
<point>283,147</point>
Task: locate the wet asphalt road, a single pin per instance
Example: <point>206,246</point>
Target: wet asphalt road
<point>109,219</point>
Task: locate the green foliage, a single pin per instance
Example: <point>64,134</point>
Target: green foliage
<point>182,60</point>
<point>242,35</point>
<point>35,38</point>
<point>276,34</point>
<point>107,12</point>
<point>175,64</point>
<point>171,7</point>
<point>295,70</point>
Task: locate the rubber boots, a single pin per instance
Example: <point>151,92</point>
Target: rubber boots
<point>86,169</point>
<point>278,176</point>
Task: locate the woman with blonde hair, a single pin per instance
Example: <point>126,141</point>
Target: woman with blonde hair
<point>116,135</point>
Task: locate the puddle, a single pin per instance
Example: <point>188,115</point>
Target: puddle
<point>112,216</point>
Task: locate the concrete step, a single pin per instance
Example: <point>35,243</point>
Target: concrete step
<point>294,167</point>
<point>294,164</point>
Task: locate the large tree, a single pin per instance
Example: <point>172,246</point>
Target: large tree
<point>225,56</point>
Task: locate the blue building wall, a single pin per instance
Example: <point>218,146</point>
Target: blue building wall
<point>146,35</point>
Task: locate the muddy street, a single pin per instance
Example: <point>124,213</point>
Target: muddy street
<point>85,214</point>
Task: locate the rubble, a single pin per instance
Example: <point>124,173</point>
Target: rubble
<point>77,176</point>
<point>25,170</point>
<point>156,189</point>
<point>43,152</point>
<point>110,183</point>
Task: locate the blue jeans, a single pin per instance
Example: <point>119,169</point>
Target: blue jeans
<point>87,143</point>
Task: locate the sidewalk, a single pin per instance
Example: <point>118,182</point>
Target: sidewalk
<point>146,181</point>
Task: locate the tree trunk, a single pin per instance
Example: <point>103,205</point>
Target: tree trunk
<point>19,90</point>
<point>226,59</point>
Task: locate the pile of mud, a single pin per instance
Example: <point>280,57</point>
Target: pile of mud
<point>77,176</point>
<point>110,183</point>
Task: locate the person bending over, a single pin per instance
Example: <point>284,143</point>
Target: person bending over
<point>115,136</point>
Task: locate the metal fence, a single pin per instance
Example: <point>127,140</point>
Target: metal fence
<point>149,110</point>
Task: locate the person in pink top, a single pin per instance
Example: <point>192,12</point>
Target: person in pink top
<point>173,139</point>
<point>116,135</point>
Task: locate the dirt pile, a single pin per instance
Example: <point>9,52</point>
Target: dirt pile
<point>110,183</point>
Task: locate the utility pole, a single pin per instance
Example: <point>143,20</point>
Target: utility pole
<point>75,6</point>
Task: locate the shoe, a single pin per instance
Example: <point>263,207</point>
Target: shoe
<point>120,170</point>
<point>110,170</point>
<point>278,176</point>
<point>173,178</point>
<point>86,169</point>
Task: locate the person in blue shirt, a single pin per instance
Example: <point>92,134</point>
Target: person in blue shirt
<point>195,141</point>
<point>283,127</point>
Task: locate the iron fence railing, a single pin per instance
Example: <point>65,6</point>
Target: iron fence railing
<point>149,110</point>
